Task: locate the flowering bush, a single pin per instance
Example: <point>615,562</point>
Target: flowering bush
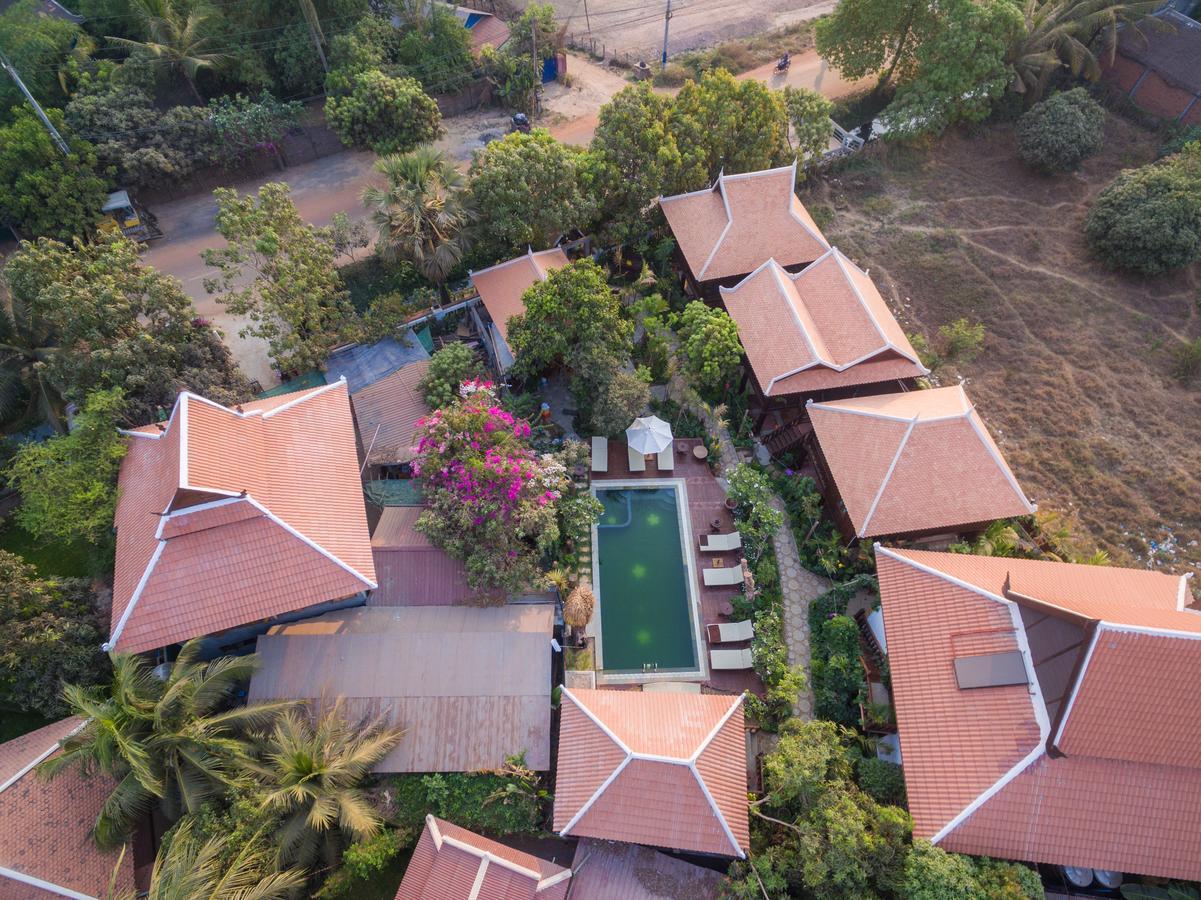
<point>492,499</point>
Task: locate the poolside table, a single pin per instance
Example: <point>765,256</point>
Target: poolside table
<point>700,451</point>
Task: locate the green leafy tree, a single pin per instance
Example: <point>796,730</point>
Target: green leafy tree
<point>68,484</point>
<point>866,37</point>
<point>758,516</point>
<point>529,189</point>
<point>635,159</point>
<point>43,192</point>
<point>1001,880</point>
<point>618,400</point>
<point>435,48</point>
<point>721,124</point>
<point>1148,220</point>
<point>933,874</point>
<point>422,212</point>
<point>710,344</point>
<point>449,368</point>
<point>515,70</point>
<point>295,299</point>
<point>384,114</point>
<point>36,45</point>
<point>179,33</point>
<point>809,114</point>
<point>246,125</point>
<point>572,319</point>
<point>311,773</point>
<point>882,780</point>
<point>50,636</point>
<point>175,743</point>
<point>1058,134</point>
<point>93,317</point>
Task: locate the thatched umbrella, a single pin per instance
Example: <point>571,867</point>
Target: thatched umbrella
<point>578,607</point>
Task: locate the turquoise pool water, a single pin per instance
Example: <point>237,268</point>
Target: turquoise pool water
<point>644,604</point>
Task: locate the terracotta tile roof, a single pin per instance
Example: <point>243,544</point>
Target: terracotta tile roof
<point>1172,49</point>
<point>666,770</point>
<point>818,329</point>
<point>491,702</point>
<point>452,863</point>
<point>45,826</point>
<point>485,28</point>
<point>604,870</point>
<point>410,570</point>
<point>731,228</point>
<point>977,768</point>
<point>386,413</point>
<point>915,461</point>
<point>502,285</point>
<point>229,516</point>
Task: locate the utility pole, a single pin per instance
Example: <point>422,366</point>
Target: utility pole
<point>587,18</point>
<point>314,23</point>
<point>666,26</point>
<point>537,68</point>
<point>41,113</point>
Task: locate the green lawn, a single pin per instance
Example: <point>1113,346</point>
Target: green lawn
<point>67,560</point>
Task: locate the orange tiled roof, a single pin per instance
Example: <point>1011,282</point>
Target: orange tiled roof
<point>233,515</point>
<point>915,461</point>
<point>452,863</point>
<point>729,229</point>
<point>45,826</point>
<point>827,326</point>
<point>661,769</point>
<point>386,413</point>
<point>1017,770</point>
<point>502,285</point>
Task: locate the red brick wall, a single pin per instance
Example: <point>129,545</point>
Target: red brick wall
<point>1157,96</point>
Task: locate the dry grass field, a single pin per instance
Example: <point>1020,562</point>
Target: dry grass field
<point>1075,377</point>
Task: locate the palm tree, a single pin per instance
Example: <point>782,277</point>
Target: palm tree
<point>311,771</point>
<point>176,742</point>
<point>26,345</point>
<point>578,607</point>
<point>423,213</point>
<point>177,34</point>
<point>1068,34</point>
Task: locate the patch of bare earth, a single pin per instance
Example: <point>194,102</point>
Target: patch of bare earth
<point>1075,377</point>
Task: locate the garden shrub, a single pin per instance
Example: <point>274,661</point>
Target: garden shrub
<point>364,859</point>
<point>384,114</point>
<point>933,874</point>
<point>1148,220</point>
<point>1178,138</point>
<point>449,367</point>
<point>619,399</point>
<point>962,339</point>
<point>758,519</point>
<point>1059,133</point>
<point>508,801</point>
<point>881,780</point>
<point>1000,880</point>
<point>710,345</point>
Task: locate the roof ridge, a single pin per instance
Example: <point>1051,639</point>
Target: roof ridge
<point>725,202</point>
<point>843,260</point>
<point>887,476</point>
<point>989,445</point>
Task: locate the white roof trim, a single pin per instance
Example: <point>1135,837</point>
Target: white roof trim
<point>776,271</point>
<point>134,597</point>
<point>435,832</point>
<point>552,880</point>
<point>525,257</point>
<point>930,570</point>
<point>481,853</point>
<point>700,276</point>
<point>843,262</point>
<point>1183,595</point>
<point>183,440</point>
<point>835,406</point>
<point>1024,763</point>
<point>887,477</point>
<point>488,856</point>
<point>989,445</point>
<point>1067,711</point>
<point>292,531</point>
<point>725,826</point>
<point>24,770</point>
<point>600,790</point>
<point>305,395</point>
<point>480,874</point>
<point>44,885</point>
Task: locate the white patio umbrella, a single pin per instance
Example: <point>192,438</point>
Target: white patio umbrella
<point>649,434</point>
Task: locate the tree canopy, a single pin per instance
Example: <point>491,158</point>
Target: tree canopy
<point>384,114</point>
<point>36,45</point>
<point>710,345</point>
<point>1061,132</point>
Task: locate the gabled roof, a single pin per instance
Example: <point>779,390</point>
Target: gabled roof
<point>1087,762</point>
<point>729,229</point>
<point>485,28</point>
<point>452,863</point>
<point>386,413</point>
<point>661,769</point>
<point>501,286</point>
<point>227,516</point>
<point>46,847</point>
<point>470,685</point>
<point>915,461</point>
<point>1170,46</point>
<point>825,327</point>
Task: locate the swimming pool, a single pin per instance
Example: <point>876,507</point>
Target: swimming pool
<point>642,573</point>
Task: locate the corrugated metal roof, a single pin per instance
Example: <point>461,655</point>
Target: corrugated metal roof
<point>386,413</point>
<point>604,870</point>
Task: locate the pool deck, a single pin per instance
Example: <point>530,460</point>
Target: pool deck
<point>706,504</point>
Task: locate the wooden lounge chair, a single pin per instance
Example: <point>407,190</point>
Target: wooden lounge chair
<point>722,576</point>
<point>717,543</point>
<point>729,632</point>
<point>666,462</point>
<point>637,460</point>
<point>600,454</point>
<point>730,659</point>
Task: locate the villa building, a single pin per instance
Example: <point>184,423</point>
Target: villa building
<point>228,518</point>
<point>1044,709</point>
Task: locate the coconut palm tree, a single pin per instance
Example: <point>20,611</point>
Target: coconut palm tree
<point>423,212</point>
<point>310,773</point>
<point>175,743</point>
<point>195,869</point>
<point>177,31</point>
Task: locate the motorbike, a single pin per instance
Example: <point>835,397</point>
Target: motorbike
<point>520,122</point>
<point>784,63</point>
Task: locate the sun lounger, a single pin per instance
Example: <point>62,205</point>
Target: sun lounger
<point>600,454</point>
<point>728,633</point>
<point>717,543</point>
<point>637,460</point>
<point>730,659</point>
<point>666,461</point>
<point>719,577</point>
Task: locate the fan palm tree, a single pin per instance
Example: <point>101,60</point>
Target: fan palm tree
<point>311,771</point>
<point>188,868</point>
<point>177,742</point>
<point>423,212</point>
<point>1071,35</point>
<point>178,32</point>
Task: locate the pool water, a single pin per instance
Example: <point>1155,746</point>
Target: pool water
<point>644,604</point>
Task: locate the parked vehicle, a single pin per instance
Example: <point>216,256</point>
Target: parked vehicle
<point>122,215</point>
<point>784,63</point>
<point>520,122</point>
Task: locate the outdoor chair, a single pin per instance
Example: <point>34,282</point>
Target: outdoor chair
<point>723,576</point>
<point>600,454</point>
<point>717,543</point>
<point>666,461</point>
<point>730,632</point>
<point>730,659</point>
<point>637,460</point>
